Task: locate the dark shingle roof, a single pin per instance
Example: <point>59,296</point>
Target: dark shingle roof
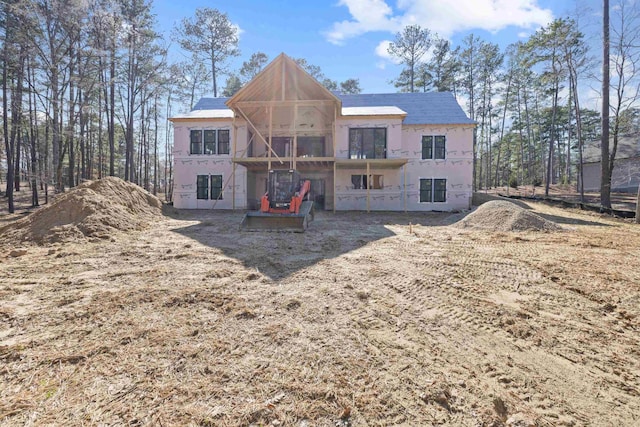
<point>211,104</point>
<point>628,147</point>
<point>424,108</point>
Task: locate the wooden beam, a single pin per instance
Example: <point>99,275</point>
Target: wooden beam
<point>368,185</point>
<point>294,151</point>
<point>260,135</point>
<point>270,134</point>
<point>233,165</point>
<point>335,197</point>
<point>283,81</point>
<point>285,102</point>
<point>333,132</point>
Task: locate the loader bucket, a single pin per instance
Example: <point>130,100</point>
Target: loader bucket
<point>297,223</point>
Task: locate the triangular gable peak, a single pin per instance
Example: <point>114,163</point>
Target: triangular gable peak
<point>284,101</point>
<point>282,80</point>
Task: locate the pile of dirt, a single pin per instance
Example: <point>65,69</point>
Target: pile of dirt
<point>499,215</point>
<point>95,209</point>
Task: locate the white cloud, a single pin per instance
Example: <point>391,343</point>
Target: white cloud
<point>440,16</point>
<point>382,50</point>
<point>368,15</point>
<point>523,34</point>
<point>239,30</point>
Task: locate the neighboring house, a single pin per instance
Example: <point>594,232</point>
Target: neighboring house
<point>395,152</point>
<point>626,170</point>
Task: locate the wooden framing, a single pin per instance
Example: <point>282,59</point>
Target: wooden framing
<point>260,135</point>
<point>368,186</point>
<point>233,164</point>
<point>270,133</point>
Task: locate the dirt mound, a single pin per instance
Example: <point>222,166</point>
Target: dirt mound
<point>95,209</point>
<point>499,215</point>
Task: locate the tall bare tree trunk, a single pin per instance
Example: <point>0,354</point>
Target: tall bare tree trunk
<point>605,181</point>
<point>5,125</point>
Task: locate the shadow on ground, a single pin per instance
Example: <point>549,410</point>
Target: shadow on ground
<point>279,254</point>
<point>572,221</point>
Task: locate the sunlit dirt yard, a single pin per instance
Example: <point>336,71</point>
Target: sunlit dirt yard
<point>363,320</point>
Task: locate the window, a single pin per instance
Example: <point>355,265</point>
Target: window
<point>433,190</point>
<point>368,143</point>
<point>210,140</point>
<point>427,147</point>
<point>216,187</point>
<point>360,182</point>
<point>223,141</point>
<point>440,190</point>
<point>310,146</point>
<point>425,190</point>
<point>439,147</point>
<point>196,142</point>
<point>433,147</point>
<point>203,186</point>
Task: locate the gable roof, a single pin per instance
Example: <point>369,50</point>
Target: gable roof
<point>423,108</point>
<point>282,79</point>
<point>628,147</point>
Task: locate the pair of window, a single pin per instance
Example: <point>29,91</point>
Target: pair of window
<point>433,190</point>
<point>360,182</point>
<point>368,143</point>
<point>213,141</point>
<point>433,147</point>
<point>203,186</point>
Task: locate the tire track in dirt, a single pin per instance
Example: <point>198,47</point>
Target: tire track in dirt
<point>466,309</point>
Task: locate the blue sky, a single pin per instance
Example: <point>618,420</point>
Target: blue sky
<point>346,38</point>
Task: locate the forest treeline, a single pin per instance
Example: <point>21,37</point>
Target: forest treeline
<point>87,88</point>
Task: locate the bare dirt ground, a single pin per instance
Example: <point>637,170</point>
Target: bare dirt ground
<point>363,320</point>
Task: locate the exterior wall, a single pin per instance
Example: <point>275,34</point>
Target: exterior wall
<point>406,142</point>
<point>625,176</point>
<point>456,167</point>
<point>188,166</point>
<point>403,142</point>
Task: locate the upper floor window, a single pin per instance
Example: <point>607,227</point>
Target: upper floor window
<point>433,147</point>
<point>212,141</point>
<point>196,142</point>
<point>368,143</point>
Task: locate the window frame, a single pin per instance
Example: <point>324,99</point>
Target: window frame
<point>428,189</point>
<point>434,147</point>
<point>439,153</point>
<point>427,145</point>
<point>200,187</point>
<point>192,141</point>
<point>220,144</point>
<point>436,190</point>
<point>359,152</point>
<point>218,188</point>
<point>212,147</point>
<point>213,144</point>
